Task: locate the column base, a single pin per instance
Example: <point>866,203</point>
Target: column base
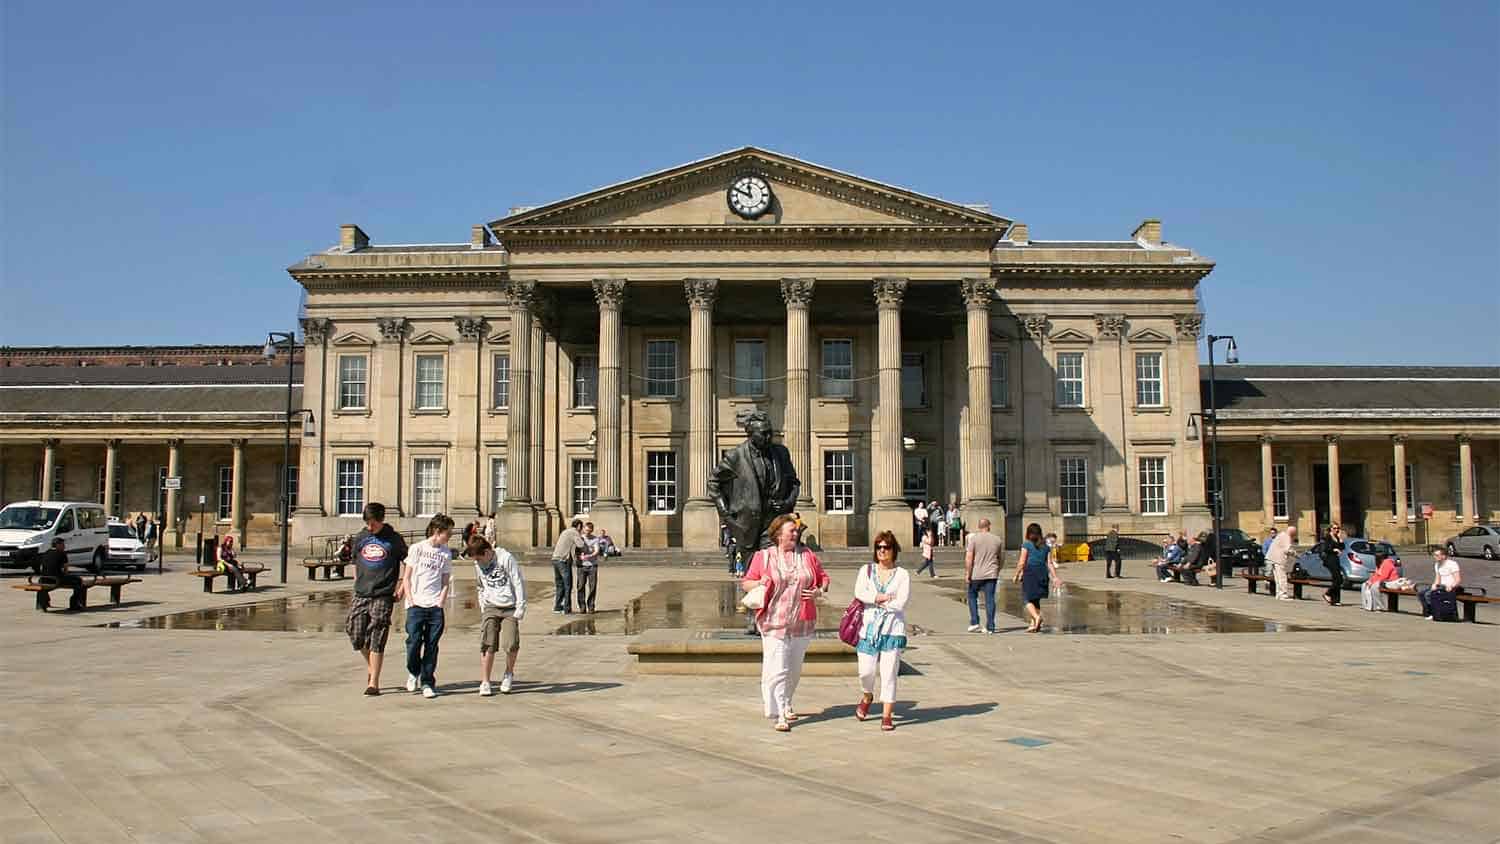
<point>700,524</point>
<point>892,516</point>
<point>515,525</point>
<point>612,517</point>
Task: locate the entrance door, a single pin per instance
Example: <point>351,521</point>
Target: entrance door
<point>1352,497</point>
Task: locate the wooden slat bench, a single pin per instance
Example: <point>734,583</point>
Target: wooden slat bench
<point>43,586</point>
<point>251,570</point>
<point>1469,601</point>
<point>329,567</point>
<point>1253,581</point>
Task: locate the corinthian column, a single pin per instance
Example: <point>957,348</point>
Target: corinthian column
<point>700,522</point>
<point>517,518</point>
<point>978,450</point>
<point>889,510</point>
<point>534,462</point>
<point>609,510</point>
<point>797,293</point>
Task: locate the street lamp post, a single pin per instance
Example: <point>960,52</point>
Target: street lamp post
<point>1211,419</point>
<point>275,341</point>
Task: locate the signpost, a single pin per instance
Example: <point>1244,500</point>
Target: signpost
<point>1426,509</point>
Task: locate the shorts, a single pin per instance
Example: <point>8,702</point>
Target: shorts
<point>499,630</point>
<point>369,622</point>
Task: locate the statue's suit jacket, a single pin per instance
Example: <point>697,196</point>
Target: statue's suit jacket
<point>748,501</point>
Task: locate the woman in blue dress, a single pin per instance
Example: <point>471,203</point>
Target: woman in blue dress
<point>1036,572</point>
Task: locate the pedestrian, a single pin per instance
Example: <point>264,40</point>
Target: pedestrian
<point>379,556</point>
<point>1282,556</point>
<point>919,521</point>
<point>52,566</point>
<point>793,578</point>
<point>1446,577</point>
<point>1331,551</point>
<point>1195,559</point>
<point>1171,555</point>
<point>884,588</point>
<point>1369,591</point>
<point>1035,571</point>
<point>939,522</point>
<point>153,534</point>
<point>489,530</point>
<point>1265,547</point>
<point>140,526</point>
<point>1112,553</point>
<point>502,605</point>
<point>955,525</point>
<point>565,553</point>
<point>982,560</point>
<point>425,580</point>
<point>929,539</point>
<point>588,569</point>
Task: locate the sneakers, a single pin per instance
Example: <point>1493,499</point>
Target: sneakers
<point>429,692</point>
<point>990,632</point>
<point>1166,580</point>
<point>411,682</point>
<point>485,690</point>
<point>974,628</point>
<point>505,684</point>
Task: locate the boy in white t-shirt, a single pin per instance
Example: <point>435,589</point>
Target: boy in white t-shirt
<point>424,583</point>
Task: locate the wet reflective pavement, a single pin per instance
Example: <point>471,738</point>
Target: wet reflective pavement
<point>1081,610</point>
<point>682,605</point>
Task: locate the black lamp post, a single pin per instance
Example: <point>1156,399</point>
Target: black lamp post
<point>277,340</point>
<point>1211,419</point>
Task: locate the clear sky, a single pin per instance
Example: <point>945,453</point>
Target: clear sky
<point>165,162</point>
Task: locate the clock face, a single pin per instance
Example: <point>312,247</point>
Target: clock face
<point>749,196</point>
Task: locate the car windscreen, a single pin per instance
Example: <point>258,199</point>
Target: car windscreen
<point>1233,535</point>
<point>121,532</point>
<point>28,518</point>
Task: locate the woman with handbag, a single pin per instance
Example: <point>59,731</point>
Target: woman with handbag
<point>883,587</point>
<point>781,586</point>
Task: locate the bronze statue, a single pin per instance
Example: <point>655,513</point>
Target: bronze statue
<point>754,483</point>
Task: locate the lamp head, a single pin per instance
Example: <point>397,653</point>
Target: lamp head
<point>1192,428</point>
<point>1233,354</point>
<point>311,428</point>
<point>269,351</point>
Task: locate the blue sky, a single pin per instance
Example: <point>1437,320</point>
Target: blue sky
<point>164,162</point>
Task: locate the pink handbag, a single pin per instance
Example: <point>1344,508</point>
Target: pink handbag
<point>853,621</point>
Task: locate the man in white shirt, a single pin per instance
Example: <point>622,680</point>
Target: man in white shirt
<point>919,518</point>
<point>424,583</point>
<point>1282,555</point>
<point>1446,577</point>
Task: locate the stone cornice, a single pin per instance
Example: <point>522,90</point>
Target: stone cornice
<point>1093,274</point>
<point>743,236</point>
<point>400,278</point>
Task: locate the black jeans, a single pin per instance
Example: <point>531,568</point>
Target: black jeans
<point>1335,581</point>
<point>562,586</point>
<point>1111,563</point>
<point>588,584</point>
<point>76,601</point>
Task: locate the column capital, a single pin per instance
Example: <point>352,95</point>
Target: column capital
<point>393,329</point>
<point>1331,439</point>
<point>701,292</point>
<point>315,330</point>
<point>1036,326</point>
<point>174,442</point>
<point>1398,439</point>
<point>889,291</point>
<point>1110,326</point>
<point>1265,439</point>
<point>522,293</point>
<point>977,292</point>
<point>239,442</point>
<point>1462,439</point>
<point>50,442</point>
<point>1189,326</point>
<point>609,292</point>
<point>797,292</point>
<point>113,442</point>
<point>471,328</point>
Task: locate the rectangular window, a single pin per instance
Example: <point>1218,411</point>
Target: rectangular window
<point>1281,507</point>
<point>1073,485</point>
<point>1148,379</point>
<point>1153,483</point>
<point>1411,489</point>
<point>749,367</point>
<point>914,477</point>
<point>1002,470</point>
<point>661,481</point>
<point>1455,483</point>
<point>498,483</point>
<point>1070,379</point>
<point>913,379</point>
<point>838,481</point>
<point>430,388</point>
<point>999,378</point>
<point>661,368</point>
<point>427,486</point>
<point>1215,489</point>
<point>226,492</point>
<point>349,481</point>
<point>838,368</point>
<point>119,486</point>
<point>585,485</point>
<point>354,382</point>
<point>586,380</point>
<point>502,382</point>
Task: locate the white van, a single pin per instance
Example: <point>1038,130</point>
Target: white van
<point>27,528</point>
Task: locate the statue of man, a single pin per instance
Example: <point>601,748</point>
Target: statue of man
<point>754,483</point>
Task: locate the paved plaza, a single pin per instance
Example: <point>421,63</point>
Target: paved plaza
<point>1381,729</point>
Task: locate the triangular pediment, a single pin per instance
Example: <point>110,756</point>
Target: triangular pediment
<point>696,195</point>
<point>1149,335</point>
<point>352,338</point>
<point>500,338</point>
<point>431,338</point>
<point>1070,335</point>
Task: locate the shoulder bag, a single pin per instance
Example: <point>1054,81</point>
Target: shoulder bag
<point>854,618</point>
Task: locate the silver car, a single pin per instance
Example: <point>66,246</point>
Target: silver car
<point>1477,541</point>
<point>1360,559</point>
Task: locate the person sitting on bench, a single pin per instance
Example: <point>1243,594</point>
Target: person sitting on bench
<point>230,566</point>
<point>1446,577</point>
<point>53,565</point>
<point>1196,559</point>
<point>1171,556</point>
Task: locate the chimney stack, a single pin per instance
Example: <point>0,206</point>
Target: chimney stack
<point>352,237</point>
<point>1148,232</point>
<point>1018,234</point>
<point>479,237</point>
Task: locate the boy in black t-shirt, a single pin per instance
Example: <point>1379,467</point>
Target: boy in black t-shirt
<point>379,556</point>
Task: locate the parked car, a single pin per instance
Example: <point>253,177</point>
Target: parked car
<point>27,528</point>
<point>125,548</point>
<point>1360,559</point>
<point>1477,541</point>
<point>1238,550</point>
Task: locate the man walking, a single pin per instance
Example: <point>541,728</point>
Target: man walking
<point>1112,553</point>
<point>981,571</point>
<point>565,553</point>
<point>1331,550</point>
<point>919,523</point>
<point>425,580</point>
<point>379,557</point>
<point>1282,556</point>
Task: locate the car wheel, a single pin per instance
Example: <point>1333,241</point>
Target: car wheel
<point>98,564</point>
<point>1452,550</point>
<point>1489,553</point>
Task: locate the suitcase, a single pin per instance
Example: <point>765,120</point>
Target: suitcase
<point>1444,605</point>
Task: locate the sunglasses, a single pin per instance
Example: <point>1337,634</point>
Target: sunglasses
<point>882,547</point>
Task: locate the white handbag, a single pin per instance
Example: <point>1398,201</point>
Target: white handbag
<point>755,599</point>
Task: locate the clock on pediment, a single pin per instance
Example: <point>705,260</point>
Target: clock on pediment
<point>749,196</point>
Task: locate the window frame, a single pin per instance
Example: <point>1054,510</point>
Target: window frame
<point>418,383</point>
<point>344,383</point>
<point>921,400</point>
<point>225,502</point>
<point>499,400</point>
<point>1059,380</point>
<point>582,469</point>
<point>1160,379</point>
<point>1160,486</point>
<point>909,493</point>
<point>656,484</point>
<point>1284,511</point>
<point>579,382</point>
<point>845,390</point>
<point>499,470</point>
<point>1000,474</point>
<point>1411,490</point>
<point>119,490</point>
<point>837,487</point>
<point>656,381</point>
<point>339,487</point>
<point>736,386</point>
<point>1213,475</point>
<point>433,466</point>
<point>999,366</point>
<point>1063,486</point>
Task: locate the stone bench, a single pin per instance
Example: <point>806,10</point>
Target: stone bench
<point>42,586</point>
<point>251,571</point>
<point>729,653</point>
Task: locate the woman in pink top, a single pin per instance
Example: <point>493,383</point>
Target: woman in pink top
<point>1369,593</point>
<point>793,578</point>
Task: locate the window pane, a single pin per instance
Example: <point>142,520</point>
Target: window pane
<point>353,382</point>
<point>661,368</point>
<point>585,485</point>
<point>914,477</point>
<point>427,486</point>
<point>999,378</point>
<point>1153,483</point>
<point>661,481</point>
<point>1073,486</point>
<point>498,481</point>
<point>226,491</point>
<point>502,381</point>
<point>913,380</point>
<point>838,481</point>
<point>838,368</point>
<point>1280,506</point>
<point>1070,379</point>
<point>1148,379</point>
<point>749,367</point>
<point>1002,468</point>
<point>1411,491</point>
<point>350,482</point>
<point>586,380</point>
<point>430,382</point>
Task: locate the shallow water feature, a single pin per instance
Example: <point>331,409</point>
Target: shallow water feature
<point>683,604</point>
<point>1081,610</point>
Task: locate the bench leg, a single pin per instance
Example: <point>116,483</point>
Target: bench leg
<point>328,572</point>
<point>208,585</point>
<point>1297,591</point>
<point>114,594</point>
<point>1251,585</point>
<point>1471,611</point>
<point>252,581</point>
<point>340,570</point>
<point>312,573</point>
<point>1390,602</point>
<point>43,602</point>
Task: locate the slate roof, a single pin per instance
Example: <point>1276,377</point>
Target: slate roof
<point>206,393</point>
<point>184,375</point>
<point>1338,391</point>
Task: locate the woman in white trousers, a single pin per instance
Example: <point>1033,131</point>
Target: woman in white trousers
<point>793,578</point>
<point>884,588</point>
